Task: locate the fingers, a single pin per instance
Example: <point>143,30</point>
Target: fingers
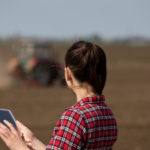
<point>4,131</point>
<point>29,144</point>
<point>21,128</point>
<point>3,137</point>
<point>26,134</point>
<point>19,124</point>
<point>11,136</point>
<point>11,127</point>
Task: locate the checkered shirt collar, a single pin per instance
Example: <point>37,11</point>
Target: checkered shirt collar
<point>94,99</point>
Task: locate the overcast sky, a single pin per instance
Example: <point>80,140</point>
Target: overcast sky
<point>74,18</point>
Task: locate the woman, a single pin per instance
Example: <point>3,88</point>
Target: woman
<point>90,123</point>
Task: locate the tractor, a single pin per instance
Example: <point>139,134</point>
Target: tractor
<point>34,64</point>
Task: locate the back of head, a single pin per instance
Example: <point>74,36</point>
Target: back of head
<point>87,61</point>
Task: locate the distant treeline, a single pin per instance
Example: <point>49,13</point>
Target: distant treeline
<point>135,40</point>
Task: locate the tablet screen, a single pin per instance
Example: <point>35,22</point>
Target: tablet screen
<point>5,114</point>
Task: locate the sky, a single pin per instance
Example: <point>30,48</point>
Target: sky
<point>75,18</point>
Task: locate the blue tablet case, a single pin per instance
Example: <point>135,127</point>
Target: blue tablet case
<point>5,114</point>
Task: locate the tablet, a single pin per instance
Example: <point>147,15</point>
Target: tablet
<point>5,114</point>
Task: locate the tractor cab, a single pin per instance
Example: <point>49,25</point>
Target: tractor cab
<point>37,50</point>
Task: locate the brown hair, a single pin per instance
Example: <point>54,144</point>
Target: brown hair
<point>87,61</point>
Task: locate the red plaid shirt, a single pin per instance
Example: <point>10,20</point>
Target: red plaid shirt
<point>89,124</point>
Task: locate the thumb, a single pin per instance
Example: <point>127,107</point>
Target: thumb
<point>20,125</point>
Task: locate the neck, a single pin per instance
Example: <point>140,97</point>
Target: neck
<point>82,92</point>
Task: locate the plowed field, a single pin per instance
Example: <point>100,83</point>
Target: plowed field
<point>127,92</point>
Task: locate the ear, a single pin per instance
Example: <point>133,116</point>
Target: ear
<point>68,74</point>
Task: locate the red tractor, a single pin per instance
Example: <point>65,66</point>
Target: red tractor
<point>34,64</point>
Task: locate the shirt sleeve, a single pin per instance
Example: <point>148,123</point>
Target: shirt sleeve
<point>69,132</point>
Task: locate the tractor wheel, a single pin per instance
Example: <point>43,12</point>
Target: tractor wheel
<point>63,82</point>
<point>42,74</point>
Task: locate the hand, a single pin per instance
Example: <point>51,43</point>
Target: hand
<point>26,134</point>
<point>31,141</point>
<point>12,137</point>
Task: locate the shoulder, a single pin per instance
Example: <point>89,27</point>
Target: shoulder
<point>71,119</point>
<point>72,113</point>
<point>73,116</point>
<point>78,112</point>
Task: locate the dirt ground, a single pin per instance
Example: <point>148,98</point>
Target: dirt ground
<point>127,92</point>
